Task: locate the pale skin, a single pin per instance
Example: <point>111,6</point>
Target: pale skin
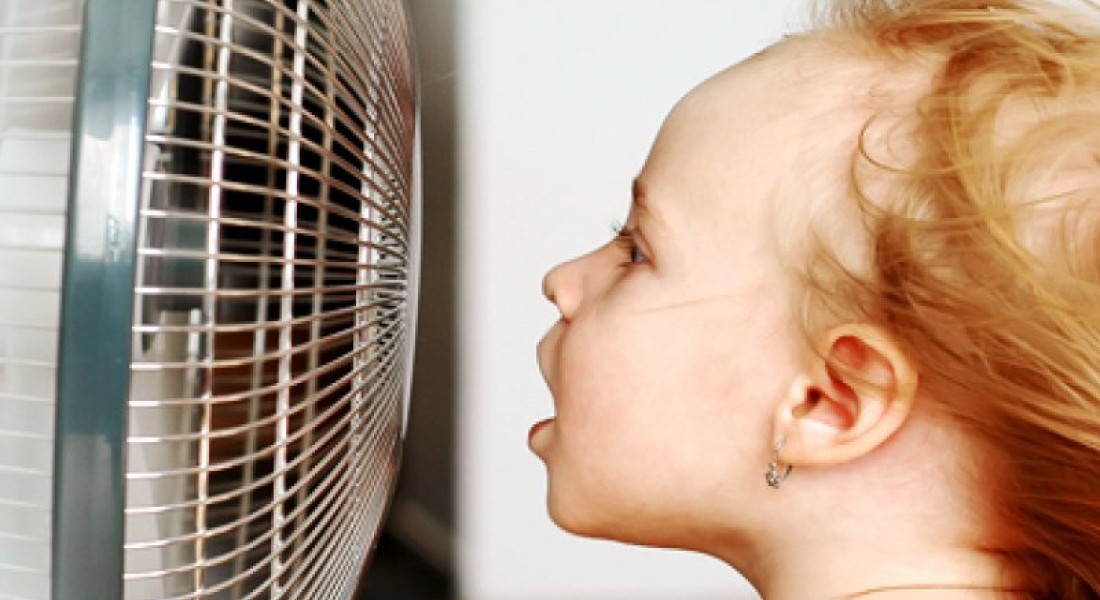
<point>678,362</point>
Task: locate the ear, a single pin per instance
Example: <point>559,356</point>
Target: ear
<point>857,392</point>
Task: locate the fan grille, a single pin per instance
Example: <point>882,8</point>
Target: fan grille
<point>270,336</point>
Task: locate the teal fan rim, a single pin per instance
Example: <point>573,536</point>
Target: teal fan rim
<point>97,298</point>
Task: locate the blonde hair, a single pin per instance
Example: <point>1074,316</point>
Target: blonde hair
<point>985,257</point>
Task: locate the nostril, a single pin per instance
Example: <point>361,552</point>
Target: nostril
<point>562,287</point>
<point>548,287</point>
<point>552,297</point>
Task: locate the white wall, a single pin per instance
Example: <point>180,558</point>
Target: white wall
<point>558,102</point>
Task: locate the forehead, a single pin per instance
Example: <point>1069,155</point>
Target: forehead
<point>768,136</point>
<point>800,92</point>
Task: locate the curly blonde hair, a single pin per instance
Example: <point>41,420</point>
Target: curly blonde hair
<point>985,256</point>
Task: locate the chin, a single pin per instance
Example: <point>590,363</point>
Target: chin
<point>572,520</point>
<point>579,514</point>
<point>588,518</point>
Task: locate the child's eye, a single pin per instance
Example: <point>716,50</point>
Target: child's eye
<point>624,238</point>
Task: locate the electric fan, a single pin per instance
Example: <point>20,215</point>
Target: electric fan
<point>209,215</point>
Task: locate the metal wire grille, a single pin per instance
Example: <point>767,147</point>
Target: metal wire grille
<point>39,43</point>
<point>269,372</point>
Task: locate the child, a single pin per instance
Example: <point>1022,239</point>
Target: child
<point>848,340</point>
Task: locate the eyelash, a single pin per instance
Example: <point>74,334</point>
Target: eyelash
<point>625,239</point>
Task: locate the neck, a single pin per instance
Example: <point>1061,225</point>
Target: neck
<point>896,526</point>
<point>856,553</point>
<point>877,572</point>
<point>833,546</point>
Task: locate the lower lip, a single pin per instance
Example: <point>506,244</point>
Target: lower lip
<point>536,429</point>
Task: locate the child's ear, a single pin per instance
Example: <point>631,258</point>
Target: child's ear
<point>858,392</point>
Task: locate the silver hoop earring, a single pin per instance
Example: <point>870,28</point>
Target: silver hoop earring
<point>775,477</point>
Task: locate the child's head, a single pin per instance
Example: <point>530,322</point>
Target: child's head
<point>985,259</point>
<point>877,245</point>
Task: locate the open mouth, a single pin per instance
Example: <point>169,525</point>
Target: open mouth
<point>538,436</point>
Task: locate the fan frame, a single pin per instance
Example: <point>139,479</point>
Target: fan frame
<point>110,112</point>
<point>107,160</point>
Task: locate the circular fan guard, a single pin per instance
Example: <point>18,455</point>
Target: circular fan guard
<point>274,272</point>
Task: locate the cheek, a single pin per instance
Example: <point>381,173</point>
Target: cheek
<point>662,421</point>
<point>651,386</point>
<point>642,426</point>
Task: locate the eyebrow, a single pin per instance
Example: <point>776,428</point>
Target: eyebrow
<point>642,207</point>
<point>640,201</point>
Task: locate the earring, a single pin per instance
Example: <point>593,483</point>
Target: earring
<point>774,476</point>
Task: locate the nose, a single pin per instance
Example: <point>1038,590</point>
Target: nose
<point>562,286</point>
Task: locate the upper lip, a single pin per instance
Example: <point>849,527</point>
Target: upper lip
<point>542,354</point>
